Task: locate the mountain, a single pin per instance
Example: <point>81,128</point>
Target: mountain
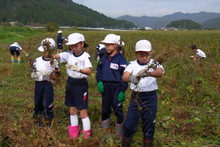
<point>212,23</point>
<point>158,22</point>
<point>62,12</point>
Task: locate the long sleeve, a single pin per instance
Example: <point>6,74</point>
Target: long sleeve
<point>99,72</point>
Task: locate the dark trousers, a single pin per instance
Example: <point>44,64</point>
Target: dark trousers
<point>142,105</point>
<point>109,101</point>
<point>43,99</point>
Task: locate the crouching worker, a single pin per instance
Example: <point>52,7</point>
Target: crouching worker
<point>143,102</point>
<point>78,68</point>
<point>43,67</point>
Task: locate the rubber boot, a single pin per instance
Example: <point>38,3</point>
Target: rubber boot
<point>106,123</point>
<point>126,141</point>
<point>119,130</point>
<point>87,133</point>
<point>73,131</point>
<point>148,142</point>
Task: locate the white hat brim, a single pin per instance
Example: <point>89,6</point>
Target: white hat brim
<point>142,50</point>
<point>108,42</point>
<point>41,49</point>
<point>72,42</point>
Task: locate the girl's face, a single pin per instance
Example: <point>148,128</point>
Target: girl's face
<point>143,57</point>
<point>111,48</point>
<point>77,48</point>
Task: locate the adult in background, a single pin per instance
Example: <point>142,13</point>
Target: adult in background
<point>199,54</point>
<point>15,48</point>
<point>60,39</point>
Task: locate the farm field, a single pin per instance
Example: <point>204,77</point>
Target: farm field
<point>188,95</point>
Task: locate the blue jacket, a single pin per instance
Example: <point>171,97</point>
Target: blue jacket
<point>60,38</point>
<point>110,69</point>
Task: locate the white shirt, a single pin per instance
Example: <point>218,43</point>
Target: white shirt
<point>43,69</point>
<point>200,53</point>
<point>146,84</point>
<point>82,61</point>
<point>16,45</point>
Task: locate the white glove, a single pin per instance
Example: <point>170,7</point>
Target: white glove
<point>44,72</point>
<point>34,75</point>
<point>143,73</point>
<point>26,55</point>
<point>134,79</point>
<point>72,67</point>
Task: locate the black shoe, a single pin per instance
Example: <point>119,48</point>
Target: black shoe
<point>49,123</point>
<point>38,122</point>
<point>126,141</point>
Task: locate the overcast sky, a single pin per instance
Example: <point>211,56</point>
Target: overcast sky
<point>116,8</point>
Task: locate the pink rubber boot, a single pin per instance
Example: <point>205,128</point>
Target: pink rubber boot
<point>87,133</point>
<point>73,131</point>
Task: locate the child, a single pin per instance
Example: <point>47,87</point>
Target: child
<point>44,92</point>
<point>109,73</point>
<point>14,49</point>
<point>143,102</point>
<point>100,51</point>
<point>121,48</point>
<point>199,53</point>
<point>60,39</point>
<point>78,68</point>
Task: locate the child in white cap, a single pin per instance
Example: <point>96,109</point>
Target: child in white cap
<point>109,73</point>
<point>78,66</point>
<point>199,54</point>
<point>15,48</point>
<point>143,102</point>
<point>44,92</point>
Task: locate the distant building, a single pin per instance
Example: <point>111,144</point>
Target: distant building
<point>148,28</point>
<point>13,23</point>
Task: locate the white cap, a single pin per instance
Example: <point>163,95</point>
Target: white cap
<point>143,45</point>
<point>112,39</point>
<point>50,40</point>
<point>75,38</point>
<point>16,43</point>
<point>59,32</point>
<point>122,43</point>
<point>100,46</point>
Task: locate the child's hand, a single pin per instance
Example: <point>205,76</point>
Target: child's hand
<point>100,87</point>
<point>72,67</point>
<point>143,73</point>
<point>134,79</point>
<point>121,96</point>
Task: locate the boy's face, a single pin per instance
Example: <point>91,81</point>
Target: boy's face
<point>194,50</point>
<point>111,48</point>
<point>143,57</point>
<point>77,48</point>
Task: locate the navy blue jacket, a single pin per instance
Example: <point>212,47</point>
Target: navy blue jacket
<point>60,38</point>
<point>110,69</point>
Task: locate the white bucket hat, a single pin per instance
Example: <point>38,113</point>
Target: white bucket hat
<point>111,39</point>
<point>50,40</point>
<point>75,38</point>
<point>143,45</point>
<point>59,32</point>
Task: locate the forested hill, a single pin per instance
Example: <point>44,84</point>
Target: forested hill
<point>63,12</point>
